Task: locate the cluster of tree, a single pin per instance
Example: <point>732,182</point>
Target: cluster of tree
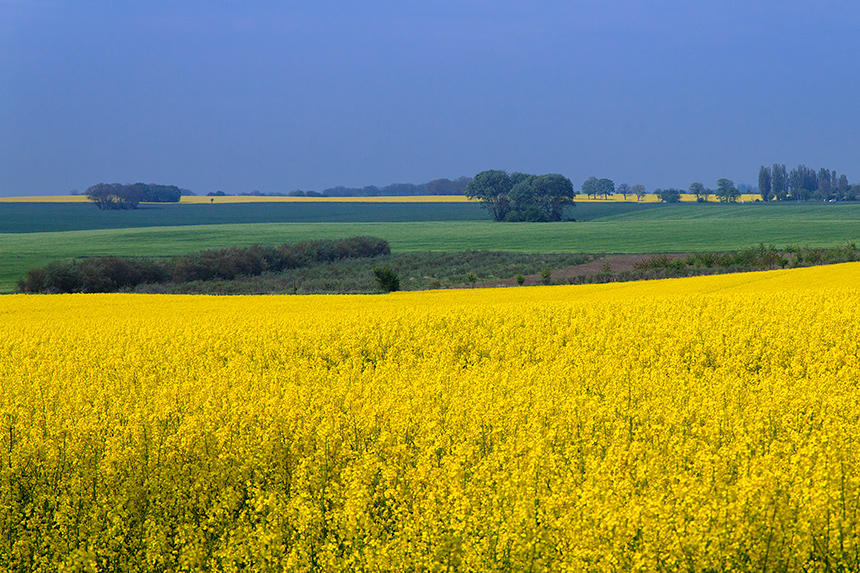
<point>803,183</point>
<point>594,187</point>
<point>110,274</point>
<point>726,191</point>
<point>701,192</point>
<point>255,193</point>
<point>118,196</point>
<point>637,190</point>
<point>775,182</point>
<point>670,195</point>
<point>521,196</point>
<point>435,187</point>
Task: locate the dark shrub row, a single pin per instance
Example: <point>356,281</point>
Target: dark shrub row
<point>235,262</point>
<point>754,258</point>
<point>110,274</point>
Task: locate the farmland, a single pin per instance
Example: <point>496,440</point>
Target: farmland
<point>78,230</point>
<point>703,424</point>
<point>664,425</point>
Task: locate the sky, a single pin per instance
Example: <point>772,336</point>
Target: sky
<point>276,96</point>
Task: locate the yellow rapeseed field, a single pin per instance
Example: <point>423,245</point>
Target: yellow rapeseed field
<point>707,424</point>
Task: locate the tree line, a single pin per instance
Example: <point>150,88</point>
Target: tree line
<point>118,196</point>
<point>803,183</point>
<point>441,186</point>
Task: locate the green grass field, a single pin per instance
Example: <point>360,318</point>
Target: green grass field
<point>656,229</point>
<point>53,217</point>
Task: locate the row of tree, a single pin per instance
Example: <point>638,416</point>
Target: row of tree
<point>525,197</point>
<point>803,183</point>
<point>594,187</point>
<point>436,187</point>
<point>522,196</point>
<point>118,196</point>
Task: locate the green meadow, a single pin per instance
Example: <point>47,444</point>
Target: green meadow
<point>35,235</point>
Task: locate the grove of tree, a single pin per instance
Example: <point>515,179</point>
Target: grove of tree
<point>118,196</point>
<point>522,196</point>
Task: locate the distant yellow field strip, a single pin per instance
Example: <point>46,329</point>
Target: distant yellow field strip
<point>200,199</point>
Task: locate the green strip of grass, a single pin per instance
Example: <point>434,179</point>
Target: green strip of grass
<point>56,217</point>
<point>21,252</point>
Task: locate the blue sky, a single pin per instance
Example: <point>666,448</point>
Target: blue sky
<point>277,96</point>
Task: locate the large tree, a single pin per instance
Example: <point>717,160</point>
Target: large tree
<point>802,182</point>
<point>698,190</point>
<point>605,187</point>
<point>726,191</point>
<point>825,184</point>
<point>779,181</point>
<point>764,183</point>
<point>539,197</point>
<point>623,189</point>
<point>638,190</point>
<point>842,187</point>
<point>670,195</point>
<point>554,192</point>
<point>492,187</point>
<point>591,187</point>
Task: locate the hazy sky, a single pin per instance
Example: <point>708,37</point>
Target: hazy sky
<point>295,94</point>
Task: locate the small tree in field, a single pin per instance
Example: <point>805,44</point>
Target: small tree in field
<point>387,279</point>
<point>546,275</point>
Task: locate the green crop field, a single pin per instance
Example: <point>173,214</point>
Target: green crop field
<point>636,229</point>
<point>53,217</point>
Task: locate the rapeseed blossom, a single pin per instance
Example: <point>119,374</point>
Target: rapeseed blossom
<point>706,424</point>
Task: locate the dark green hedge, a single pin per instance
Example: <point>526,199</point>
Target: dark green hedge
<point>111,274</point>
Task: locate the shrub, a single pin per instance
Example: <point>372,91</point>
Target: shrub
<point>386,278</point>
<point>110,274</point>
<point>546,275</point>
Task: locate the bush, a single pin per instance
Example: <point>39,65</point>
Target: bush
<point>110,274</point>
<point>546,275</point>
<point>387,279</point>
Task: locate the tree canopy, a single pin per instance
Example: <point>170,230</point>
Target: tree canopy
<point>522,196</point>
<point>726,191</point>
<point>117,196</point>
